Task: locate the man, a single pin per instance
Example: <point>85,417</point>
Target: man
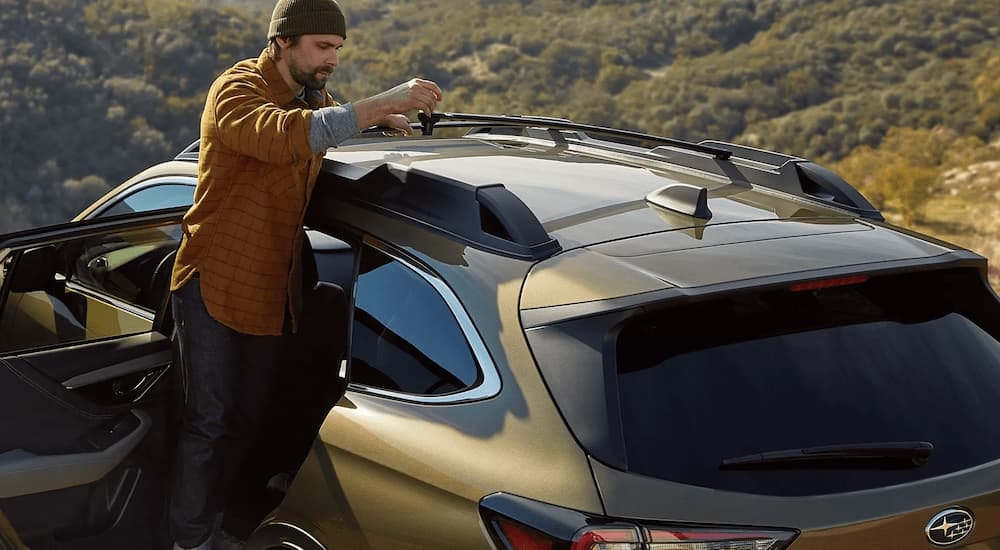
<point>237,281</point>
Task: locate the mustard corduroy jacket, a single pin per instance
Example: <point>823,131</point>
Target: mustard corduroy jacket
<point>256,171</point>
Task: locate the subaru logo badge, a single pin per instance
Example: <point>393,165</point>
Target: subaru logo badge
<point>950,526</point>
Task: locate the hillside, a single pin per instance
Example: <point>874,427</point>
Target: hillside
<point>94,90</point>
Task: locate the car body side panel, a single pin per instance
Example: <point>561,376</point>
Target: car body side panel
<point>384,471</point>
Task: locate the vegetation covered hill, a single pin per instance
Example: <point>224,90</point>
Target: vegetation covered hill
<point>898,96</point>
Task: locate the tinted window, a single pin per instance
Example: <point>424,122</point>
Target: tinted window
<point>405,338</point>
<point>168,195</point>
<point>905,359</point>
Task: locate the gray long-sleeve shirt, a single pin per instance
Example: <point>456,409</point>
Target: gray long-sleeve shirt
<point>331,126</point>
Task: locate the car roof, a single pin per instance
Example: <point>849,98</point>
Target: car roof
<point>549,185</point>
<point>553,187</point>
<point>579,198</point>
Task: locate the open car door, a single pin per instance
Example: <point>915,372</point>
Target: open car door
<point>86,393</point>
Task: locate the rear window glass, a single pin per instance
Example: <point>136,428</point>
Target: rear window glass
<point>912,358</point>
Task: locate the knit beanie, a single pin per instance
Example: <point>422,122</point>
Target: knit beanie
<point>298,17</point>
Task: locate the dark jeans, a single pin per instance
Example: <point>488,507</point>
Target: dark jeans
<point>227,376</point>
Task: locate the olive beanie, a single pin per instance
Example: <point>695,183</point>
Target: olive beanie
<point>298,17</point>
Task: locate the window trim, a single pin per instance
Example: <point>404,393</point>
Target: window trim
<point>490,383</point>
<point>111,300</point>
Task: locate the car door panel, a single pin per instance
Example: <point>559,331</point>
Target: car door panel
<point>60,453</point>
<point>85,415</point>
<point>104,360</point>
<point>23,473</point>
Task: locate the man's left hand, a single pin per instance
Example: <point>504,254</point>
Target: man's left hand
<point>400,125</point>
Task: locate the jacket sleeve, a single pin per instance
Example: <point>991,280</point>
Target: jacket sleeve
<point>249,123</point>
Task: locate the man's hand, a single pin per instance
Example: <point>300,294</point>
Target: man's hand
<point>416,94</point>
<point>400,125</point>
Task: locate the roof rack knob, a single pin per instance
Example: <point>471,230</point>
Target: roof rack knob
<point>427,122</point>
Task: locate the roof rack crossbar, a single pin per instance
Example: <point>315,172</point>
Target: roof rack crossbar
<point>428,123</point>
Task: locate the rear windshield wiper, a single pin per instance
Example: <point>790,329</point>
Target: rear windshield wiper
<point>882,455</point>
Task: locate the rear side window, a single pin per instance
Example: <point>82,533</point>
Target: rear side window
<point>405,338</point>
<point>901,359</point>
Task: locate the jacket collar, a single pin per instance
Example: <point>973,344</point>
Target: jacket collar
<point>283,95</point>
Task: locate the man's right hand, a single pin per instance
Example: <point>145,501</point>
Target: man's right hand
<point>416,94</point>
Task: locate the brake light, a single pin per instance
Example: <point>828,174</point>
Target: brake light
<point>829,283</point>
<point>520,537</point>
<point>671,539</point>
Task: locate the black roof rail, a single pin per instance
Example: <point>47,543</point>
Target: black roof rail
<point>741,164</point>
<point>485,216</point>
<point>467,120</point>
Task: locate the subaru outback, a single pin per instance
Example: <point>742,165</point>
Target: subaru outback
<point>530,334</point>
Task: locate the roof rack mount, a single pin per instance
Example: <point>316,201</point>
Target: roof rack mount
<point>487,216</point>
<point>799,176</point>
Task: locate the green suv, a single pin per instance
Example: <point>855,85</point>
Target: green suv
<point>530,334</point>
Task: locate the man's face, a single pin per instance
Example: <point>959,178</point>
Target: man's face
<point>312,59</point>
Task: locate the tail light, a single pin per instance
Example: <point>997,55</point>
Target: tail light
<point>516,536</point>
<point>516,523</point>
<point>717,539</point>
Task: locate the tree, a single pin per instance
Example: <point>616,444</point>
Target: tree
<point>903,173</point>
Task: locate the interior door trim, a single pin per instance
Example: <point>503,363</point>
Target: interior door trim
<point>125,368</point>
<point>24,473</point>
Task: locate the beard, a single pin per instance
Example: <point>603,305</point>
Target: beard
<point>312,80</point>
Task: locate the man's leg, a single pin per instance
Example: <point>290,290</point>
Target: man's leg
<point>226,376</point>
